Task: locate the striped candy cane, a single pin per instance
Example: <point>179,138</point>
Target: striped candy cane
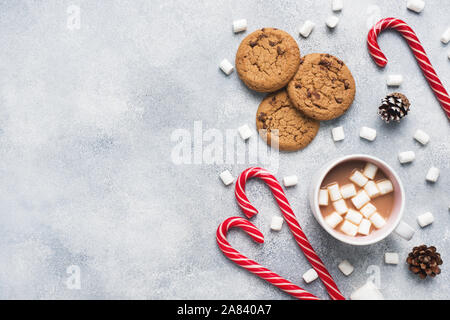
<point>419,53</point>
<point>291,220</point>
<point>251,265</point>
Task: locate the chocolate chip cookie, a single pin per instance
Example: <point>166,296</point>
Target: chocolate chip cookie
<point>295,130</point>
<point>267,59</point>
<point>323,87</point>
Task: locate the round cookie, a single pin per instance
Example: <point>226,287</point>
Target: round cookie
<point>323,87</point>
<point>295,130</point>
<point>267,59</point>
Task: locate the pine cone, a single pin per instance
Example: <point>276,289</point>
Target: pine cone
<point>424,261</point>
<point>394,107</point>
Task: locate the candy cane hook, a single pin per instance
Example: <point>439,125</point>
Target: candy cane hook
<point>251,265</point>
<point>291,220</point>
<point>419,52</point>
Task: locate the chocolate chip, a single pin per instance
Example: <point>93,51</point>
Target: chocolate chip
<point>280,51</point>
<point>253,43</point>
<point>316,95</point>
<point>298,86</point>
<point>302,60</point>
<point>325,63</point>
<point>339,100</point>
<point>308,94</point>
<point>272,43</point>
<point>346,85</point>
<point>262,117</point>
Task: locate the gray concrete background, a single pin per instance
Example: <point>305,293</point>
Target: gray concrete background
<point>86,118</point>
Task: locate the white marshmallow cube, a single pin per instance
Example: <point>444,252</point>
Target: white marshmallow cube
<point>391,258</point>
<point>370,170</point>
<point>239,25</point>
<point>358,178</point>
<point>432,174</point>
<point>245,132</point>
<point>345,267</point>
<point>394,80</point>
<point>422,137</point>
<point>360,199</point>
<point>372,189</point>
<point>226,177</point>
<point>405,231</point>
<point>310,275</point>
<point>445,38</point>
<point>354,216</point>
<point>368,210</point>
<point>415,5</point>
<point>377,220</point>
<point>425,219</point>
<point>338,133</point>
<point>323,197</point>
<point>349,228</point>
<point>340,206</point>
<point>226,67</point>
<point>335,194</point>
<point>368,133</point>
<point>333,219</point>
<point>364,227</point>
<point>337,5</point>
<point>406,156</point>
<point>348,190</point>
<point>332,21</point>
<point>385,186</point>
<point>276,223</point>
<point>369,291</point>
<point>307,28</point>
<point>290,181</point>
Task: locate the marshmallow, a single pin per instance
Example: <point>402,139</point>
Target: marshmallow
<point>332,21</point>
<point>364,227</point>
<point>425,219</point>
<point>348,190</point>
<point>385,187</point>
<point>226,177</point>
<point>239,25</point>
<point>391,258</point>
<point>337,5</point>
<point>422,137</point>
<point>370,170</point>
<point>276,223</point>
<point>345,267</point>
<point>335,194</point>
<point>405,231</point>
<point>349,228</point>
<point>406,156</point>
<point>226,67</point>
<point>360,199</point>
<point>333,219</point>
<point>372,189</point>
<point>368,133</point>
<point>433,174</point>
<point>368,210</point>
<point>353,216</point>
<point>245,132</point>
<point>445,38</point>
<point>415,5</point>
<point>310,275</point>
<point>377,220</point>
<point>340,206</point>
<point>323,197</point>
<point>338,133</point>
<point>394,80</point>
<point>369,291</point>
<point>290,181</point>
<point>307,28</point>
<point>358,178</point>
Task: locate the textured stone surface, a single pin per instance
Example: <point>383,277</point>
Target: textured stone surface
<point>86,118</point>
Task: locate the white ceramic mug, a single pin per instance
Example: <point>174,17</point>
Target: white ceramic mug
<point>376,235</point>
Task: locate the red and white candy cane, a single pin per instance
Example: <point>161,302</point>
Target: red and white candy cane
<point>251,265</point>
<point>419,53</point>
<point>291,220</point>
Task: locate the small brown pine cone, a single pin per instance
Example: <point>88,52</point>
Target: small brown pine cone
<point>394,107</point>
<point>424,261</point>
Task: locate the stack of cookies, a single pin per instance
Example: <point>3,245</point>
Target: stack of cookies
<point>303,90</point>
